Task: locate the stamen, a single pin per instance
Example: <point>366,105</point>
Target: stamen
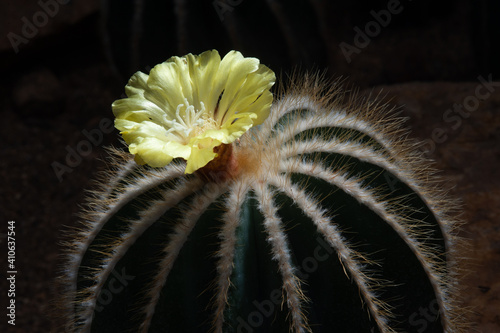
<point>186,122</point>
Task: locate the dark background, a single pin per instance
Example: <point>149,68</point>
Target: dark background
<point>64,75</point>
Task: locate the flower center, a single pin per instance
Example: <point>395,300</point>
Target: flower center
<point>189,122</point>
<point>223,167</point>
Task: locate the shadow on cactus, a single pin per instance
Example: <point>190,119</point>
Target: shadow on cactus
<point>236,213</point>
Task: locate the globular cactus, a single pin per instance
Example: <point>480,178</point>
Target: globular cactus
<point>323,218</point>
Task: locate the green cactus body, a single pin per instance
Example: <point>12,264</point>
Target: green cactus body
<point>325,219</point>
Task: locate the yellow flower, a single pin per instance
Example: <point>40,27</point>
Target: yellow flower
<point>189,105</point>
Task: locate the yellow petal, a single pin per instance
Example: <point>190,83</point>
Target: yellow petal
<point>189,105</point>
<point>137,85</point>
<point>158,153</point>
<point>138,109</point>
<point>203,73</point>
<point>202,152</point>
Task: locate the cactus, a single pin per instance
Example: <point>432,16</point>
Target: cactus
<point>324,218</point>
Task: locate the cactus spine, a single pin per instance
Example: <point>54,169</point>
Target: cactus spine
<point>324,219</point>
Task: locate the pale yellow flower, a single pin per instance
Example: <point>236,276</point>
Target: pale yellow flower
<point>189,105</point>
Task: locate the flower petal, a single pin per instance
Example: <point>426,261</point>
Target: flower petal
<point>203,70</point>
<point>137,85</point>
<point>189,105</point>
<point>256,85</point>
<point>138,109</point>
<point>238,70</point>
<point>158,153</point>
<point>202,152</point>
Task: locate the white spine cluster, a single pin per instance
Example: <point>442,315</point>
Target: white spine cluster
<point>271,153</point>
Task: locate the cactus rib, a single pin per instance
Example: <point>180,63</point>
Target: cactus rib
<point>202,252</point>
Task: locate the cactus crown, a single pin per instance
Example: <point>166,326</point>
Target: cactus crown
<point>322,217</point>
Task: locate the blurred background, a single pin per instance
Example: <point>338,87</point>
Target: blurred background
<point>62,64</point>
